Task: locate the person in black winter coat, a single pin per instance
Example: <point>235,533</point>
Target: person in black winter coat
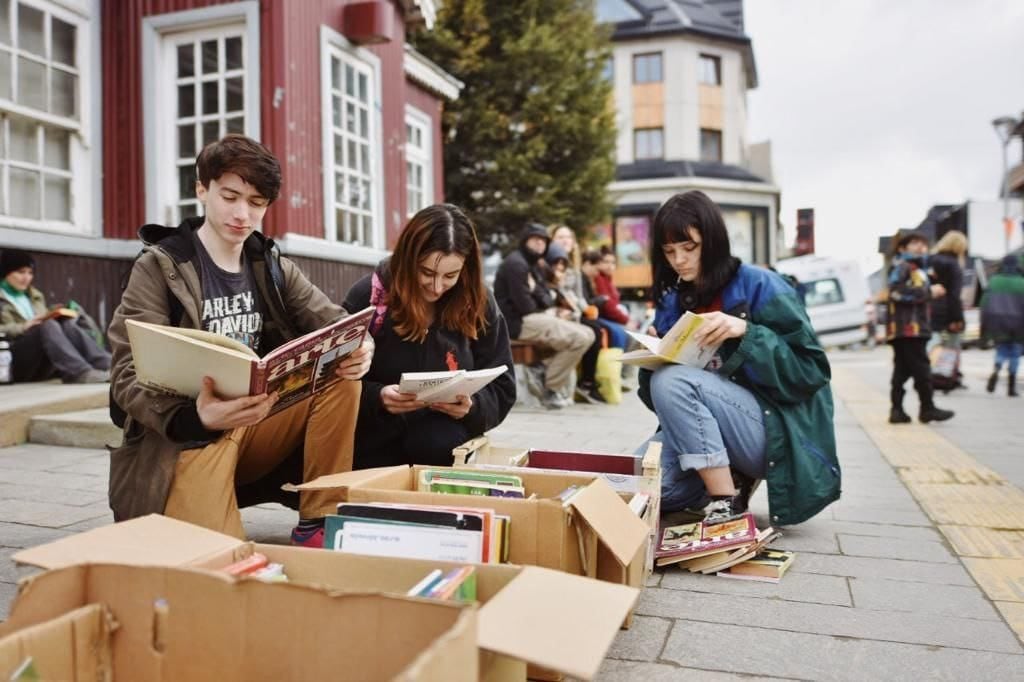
<point>945,267</point>
<point>433,313</point>
<point>529,307</point>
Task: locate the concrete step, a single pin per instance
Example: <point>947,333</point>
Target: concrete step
<point>19,403</point>
<point>82,429</point>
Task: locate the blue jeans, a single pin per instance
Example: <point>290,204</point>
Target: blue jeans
<point>1009,352</point>
<point>706,421</point>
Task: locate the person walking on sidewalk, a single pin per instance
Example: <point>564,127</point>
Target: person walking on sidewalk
<point>433,313</point>
<point>530,310</point>
<point>763,406</point>
<point>945,267</point>
<point>44,344</point>
<point>909,328</point>
<point>1002,321</point>
<point>196,459</point>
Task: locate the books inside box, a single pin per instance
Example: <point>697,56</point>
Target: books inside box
<point>419,532</point>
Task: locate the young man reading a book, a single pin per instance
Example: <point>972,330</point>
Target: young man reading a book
<point>195,460</point>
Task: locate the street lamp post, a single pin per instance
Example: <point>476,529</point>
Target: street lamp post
<point>1005,126</point>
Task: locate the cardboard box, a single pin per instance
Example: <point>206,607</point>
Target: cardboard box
<point>74,647</point>
<point>596,535</point>
<point>188,624</point>
<point>527,615</point>
<point>645,477</point>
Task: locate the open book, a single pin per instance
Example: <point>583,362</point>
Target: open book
<point>175,360</point>
<point>676,346</point>
<point>445,387</point>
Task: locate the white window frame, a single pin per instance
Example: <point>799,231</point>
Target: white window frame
<point>84,131</point>
<point>160,99</point>
<point>423,156</point>
<point>333,44</point>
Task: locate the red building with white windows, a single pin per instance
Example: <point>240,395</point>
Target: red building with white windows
<point>106,103</point>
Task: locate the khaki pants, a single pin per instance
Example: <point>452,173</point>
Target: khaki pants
<point>203,490</point>
<point>569,340</point>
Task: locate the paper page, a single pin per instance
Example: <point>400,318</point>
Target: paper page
<point>421,382</point>
<point>651,343</point>
<point>469,383</point>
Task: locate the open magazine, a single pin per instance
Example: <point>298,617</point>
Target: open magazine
<point>175,360</point>
<point>678,346</point>
<point>446,387</point>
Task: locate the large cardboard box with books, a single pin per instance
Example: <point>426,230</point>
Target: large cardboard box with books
<point>164,624</point>
<point>595,534</point>
<point>553,621</point>
<point>626,473</point>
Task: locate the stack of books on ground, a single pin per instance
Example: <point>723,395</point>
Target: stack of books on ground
<point>768,566</point>
<point>415,531</point>
<point>701,547</point>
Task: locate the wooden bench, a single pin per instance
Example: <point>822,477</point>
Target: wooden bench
<point>525,353</point>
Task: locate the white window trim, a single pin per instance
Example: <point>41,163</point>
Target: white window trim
<point>420,119</point>
<point>85,158</point>
<point>158,152</point>
<point>331,40</point>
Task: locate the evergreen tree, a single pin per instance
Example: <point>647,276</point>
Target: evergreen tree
<point>532,134</point>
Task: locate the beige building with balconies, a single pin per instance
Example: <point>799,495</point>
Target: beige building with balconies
<point>681,70</point>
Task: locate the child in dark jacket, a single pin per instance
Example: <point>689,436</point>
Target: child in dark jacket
<point>433,314</point>
<point>909,328</point>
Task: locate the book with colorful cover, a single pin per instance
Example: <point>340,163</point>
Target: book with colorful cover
<point>174,360</point>
<point>691,540</point>
<point>719,561</point>
<point>465,482</point>
<point>677,346</point>
<point>768,565</point>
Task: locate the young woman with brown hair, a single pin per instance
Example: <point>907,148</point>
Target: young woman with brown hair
<point>433,313</point>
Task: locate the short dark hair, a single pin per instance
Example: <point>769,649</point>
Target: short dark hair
<point>672,223</point>
<point>246,158</point>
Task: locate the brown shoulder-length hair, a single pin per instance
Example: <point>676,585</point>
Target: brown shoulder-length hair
<point>463,308</point>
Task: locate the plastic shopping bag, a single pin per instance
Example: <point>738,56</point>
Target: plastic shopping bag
<point>609,375</point>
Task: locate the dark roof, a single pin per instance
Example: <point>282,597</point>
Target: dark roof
<point>657,168</point>
<point>715,18</point>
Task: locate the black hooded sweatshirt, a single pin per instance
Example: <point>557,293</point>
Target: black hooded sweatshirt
<point>519,286</point>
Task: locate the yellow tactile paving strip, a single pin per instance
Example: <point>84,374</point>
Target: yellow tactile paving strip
<point>980,513</point>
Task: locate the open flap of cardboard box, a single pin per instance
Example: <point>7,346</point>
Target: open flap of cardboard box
<point>347,479</point>
<point>152,540</point>
<point>612,519</point>
<point>555,620</point>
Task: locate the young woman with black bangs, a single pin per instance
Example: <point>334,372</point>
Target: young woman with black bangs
<point>762,408</point>
<point>433,313</point>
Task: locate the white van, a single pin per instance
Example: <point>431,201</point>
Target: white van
<point>835,293</point>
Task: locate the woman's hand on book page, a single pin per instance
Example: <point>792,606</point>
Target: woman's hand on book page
<point>222,415</point>
<point>717,327</point>
<point>396,402</point>
<point>454,410</point>
<point>357,364</point>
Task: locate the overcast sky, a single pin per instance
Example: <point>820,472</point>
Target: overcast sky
<point>878,109</point>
